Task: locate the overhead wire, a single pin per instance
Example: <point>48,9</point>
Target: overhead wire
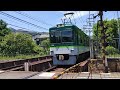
<point>19,27</point>
<point>18,19</point>
<point>16,25</point>
<point>81,16</point>
<point>74,19</point>
<point>81,22</point>
<point>30,17</point>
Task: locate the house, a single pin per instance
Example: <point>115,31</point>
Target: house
<point>40,37</point>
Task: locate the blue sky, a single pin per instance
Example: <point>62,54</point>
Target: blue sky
<point>50,17</point>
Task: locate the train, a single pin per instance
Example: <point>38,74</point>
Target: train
<point>68,44</point>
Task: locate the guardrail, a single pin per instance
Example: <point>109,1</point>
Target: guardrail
<point>18,63</point>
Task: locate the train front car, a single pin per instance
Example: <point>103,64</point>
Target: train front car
<point>63,45</point>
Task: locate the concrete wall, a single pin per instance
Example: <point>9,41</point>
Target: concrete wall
<point>97,65</point>
<point>114,64</point>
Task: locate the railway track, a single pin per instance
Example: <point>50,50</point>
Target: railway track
<point>79,66</point>
<point>59,70</point>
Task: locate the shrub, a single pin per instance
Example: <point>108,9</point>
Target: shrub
<point>111,50</point>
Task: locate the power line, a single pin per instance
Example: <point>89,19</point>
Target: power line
<point>30,17</point>
<point>18,19</point>
<point>19,27</point>
<point>74,19</point>
<point>15,25</point>
<point>79,18</point>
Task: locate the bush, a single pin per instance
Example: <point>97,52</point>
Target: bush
<point>111,50</point>
<point>38,50</point>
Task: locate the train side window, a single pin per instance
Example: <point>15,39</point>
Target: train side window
<point>81,40</point>
<point>78,39</point>
<point>85,41</point>
<point>52,37</point>
<point>57,36</point>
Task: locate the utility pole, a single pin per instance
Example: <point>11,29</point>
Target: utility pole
<point>90,24</point>
<point>118,32</point>
<point>88,28</point>
<point>103,41</point>
<point>97,45</point>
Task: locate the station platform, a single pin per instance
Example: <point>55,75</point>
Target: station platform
<point>26,75</point>
<point>50,75</point>
<point>87,75</point>
<point>15,74</point>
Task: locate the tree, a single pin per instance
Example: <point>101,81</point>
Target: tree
<point>3,29</point>
<point>3,32</point>
<point>18,43</point>
<point>111,50</point>
<point>110,32</point>
<point>25,43</point>
<point>46,45</point>
<point>39,50</point>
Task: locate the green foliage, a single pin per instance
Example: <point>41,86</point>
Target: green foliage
<point>3,32</point>
<point>111,50</point>
<point>111,32</point>
<point>38,50</point>
<point>21,56</point>
<point>3,29</point>
<point>46,46</point>
<point>19,43</point>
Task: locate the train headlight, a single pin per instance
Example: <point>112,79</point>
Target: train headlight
<point>52,52</point>
<point>72,50</point>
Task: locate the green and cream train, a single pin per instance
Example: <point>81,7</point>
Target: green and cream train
<point>68,44</point>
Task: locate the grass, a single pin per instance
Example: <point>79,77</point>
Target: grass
<point>19,57</point>
<point>111,55</point>
<point>114,55</point>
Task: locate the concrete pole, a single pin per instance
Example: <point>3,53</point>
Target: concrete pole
<point>26,66</point>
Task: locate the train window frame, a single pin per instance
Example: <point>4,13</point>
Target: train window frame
<point>62,35</point>
<point>58,36</point>
<point>54,31</point>
<point>51,37</point>
<point>79,39</point>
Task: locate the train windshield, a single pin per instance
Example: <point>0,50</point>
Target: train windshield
<point>63,36</point>
<point>67,36</point>
<point>55,37</point>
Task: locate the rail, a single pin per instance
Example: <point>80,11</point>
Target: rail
<point>81,64</point>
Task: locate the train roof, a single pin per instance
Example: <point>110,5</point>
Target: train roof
<point>62,25</point>
<point>66,25</point>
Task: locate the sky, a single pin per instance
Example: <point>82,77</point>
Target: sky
<point>47,19</point>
